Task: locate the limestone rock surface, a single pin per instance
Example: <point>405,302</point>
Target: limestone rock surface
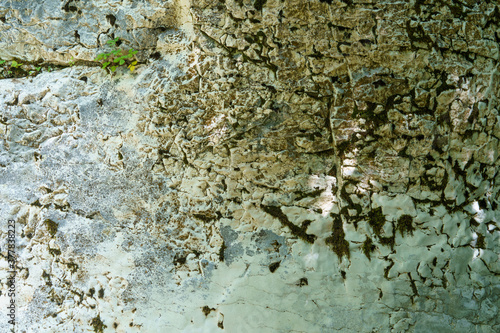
<point>269,166</point>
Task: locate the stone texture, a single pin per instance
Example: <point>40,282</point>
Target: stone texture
<point>270,166</point>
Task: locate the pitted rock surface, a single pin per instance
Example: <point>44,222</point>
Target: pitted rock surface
<point>270,166</point>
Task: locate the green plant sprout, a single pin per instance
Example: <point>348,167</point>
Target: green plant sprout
<point>132,65</point>
<point>71,62</point>
<point>117,57</point>
<point>113,42</point>
<point>15,64</point>
<point>13,68</point>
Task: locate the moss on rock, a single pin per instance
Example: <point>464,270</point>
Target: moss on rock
<point>376,219</point>
<point>405,225</point>
<point>337,241</point>
<point>368,247</point>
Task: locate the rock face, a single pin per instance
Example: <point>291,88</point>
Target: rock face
<point>270,166</point>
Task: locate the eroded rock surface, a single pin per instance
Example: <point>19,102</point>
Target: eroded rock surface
<point>270,166</point>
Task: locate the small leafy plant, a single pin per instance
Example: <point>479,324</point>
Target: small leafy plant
<point>117,57</point>
<point>15,64</point>
<point>14,69</point>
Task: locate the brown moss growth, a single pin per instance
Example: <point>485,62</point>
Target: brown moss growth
<point>206,310</point>
<point>51,227</point>
<point>388,241</point>
<point>337,241</point>
<point>54,252</point>
<point>72,267</point>
<point>376,219</point>
<point>480,243</point>
<point>221,251</point>
<point>368,247</point>
<point>405,225</point>
<point>295,230</point>
<point>98,325</point>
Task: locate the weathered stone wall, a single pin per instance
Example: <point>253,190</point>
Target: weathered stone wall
<point>270,166</point>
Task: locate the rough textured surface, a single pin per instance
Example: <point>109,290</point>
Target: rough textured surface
<point>271,166</point>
